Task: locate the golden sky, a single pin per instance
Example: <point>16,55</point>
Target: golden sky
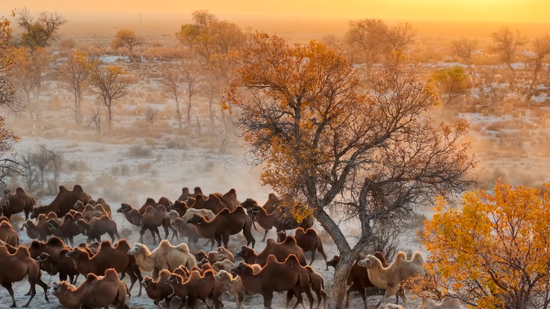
<point>483,10</point>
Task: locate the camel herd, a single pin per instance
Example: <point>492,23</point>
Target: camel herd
<point>176,273</point>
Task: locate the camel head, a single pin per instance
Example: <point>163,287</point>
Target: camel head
<point>223,275</point>
<point>203,262</point>
<point>124,208</point>
<point>172,214</point>
<point>146,282</point>
<point>245,251</point>
<point>136,249</point>
<point>249,203</point>
<point>28,223</point>
<point>241,269</point>
<point>196,219</point>
<point>369,261</point>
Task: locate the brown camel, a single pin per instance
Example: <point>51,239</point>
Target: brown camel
<point>64,201</point>
<point>97,227</point>
<point>107,257</point>
<point>197,287</point>
<point>15,267</point>
<point>94,292</point>
<point>8,234</point>
<point>309,241</point>
<point>225,223</point>
<point>211,202</point>
<point>18,202</point>
<point>280,250</point>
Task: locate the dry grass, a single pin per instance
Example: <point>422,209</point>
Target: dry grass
<point>139,152</point>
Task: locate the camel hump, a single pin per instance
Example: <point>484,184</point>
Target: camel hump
<point>20,190</point>
<point>290,241</point>
<point>239,209</point>
<point>123,245</point>
<point>55,242</point>
<point>183,248</point>
<point>198,189</point>
<point>311,232</point>
<point>63,189</point>
<point>310,269</point>
<point>232,192</point>
<point>35,244</point>
<point>224,212</point>
<point>5,225</point>
<point>272,259</point>
<point>213,196</point>
<point>78,188</point>
<point>184,190</point>
<point>150,200</point>
<point>292,258</point>
<point>400,257</point>
<point>417,258</point>
<point>22,252</point>
<point>270,241</point>
<point>106,244</point>
<point>91,277</point>
<point>272,196</point>
<point>164,244</point>
<point>111,275</point>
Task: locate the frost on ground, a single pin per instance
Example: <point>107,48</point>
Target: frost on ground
<point>122,174</point>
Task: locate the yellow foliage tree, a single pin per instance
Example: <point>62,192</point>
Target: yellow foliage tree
<point>128,39</point>
<point>494,252</point>
<point>341,154</point>
<point>75,75</point>
<point>109,84</point>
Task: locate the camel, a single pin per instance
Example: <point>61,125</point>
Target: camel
<point>94,292</point>
<point>317,285</point>
<point>16,203</point>
<point>308,240</point>
<point>197,286</point>
<point>276,277</point>
<point>212,202</point>
<point>67,230</point>
<point>64,266</point>
<point>233,286</point>
<point>390,278</point>
<point>90,212</point>
<point>151,222</point>
<point>158,290</point>
<point>155,216</point>
<point>225,223</point>
<point>17,266</point>
<point>165,256</point>
<point>223,265</point>
<point>179,222</point>
<point>64,201</point>
<point>100,201</point>
<point>280,250</point>
<point>97,227</point>
<point>106,258</point>
<point>8,234</point>
<point>229,199</point>
<point>228,254</point>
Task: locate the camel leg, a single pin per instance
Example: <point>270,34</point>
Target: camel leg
<point>211,244</point>
<point>33,293</point>
<point>347,297</point>
<point>166,233</point>
<point>310,298</point>
<point>299,298</point>
<point>265,235</point>
<point>45,287</point>
<point>225,240</point>
<point>322,251</point>
<point>141,232</point>
<point>174,233</point>
<point>267,300</point>
<point>247,232</point>
<point>133,280</point>
<point>401,293</point>
<point>312,256</point>
<point>158,233</point>
<point>112,237</point>
<point>289,296</point>
<point>363,292</point>
<point>219,240</point>
<point>8,287</point>
<point>152,230</point>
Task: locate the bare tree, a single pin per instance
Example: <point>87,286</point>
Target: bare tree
<point>30,172</point>
<point>464,49</point>
<point>39,31</point>
<point>400,37</point>
<point>172,83</point>
<point>57,162</point>
<point>95,119</point>
<point>367,37</point>
<point>75,77</point>
<point>126,39</point>
<point>508,45</point>
<point>109,84</point>
<point>151,114</point>
<point>191,80</point>
<point>540,51</point>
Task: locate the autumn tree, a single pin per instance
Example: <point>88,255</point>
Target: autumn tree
<point>464,49</point>
<point>400,37</point>
<point>172,82</point>
<point>128,39</point>
<point>451,82</point>
<point>8,166</point>
<point>109,84</point>
<point>367,37</point>
<point>39,31</point>
<point>189,33</point>
<point>337,153</point>
<point>493,251</point>
<point>27,71</point>
<point>508,45</point>
<point>74,75</point>
<point>540,50</point>
<point>190,83</point>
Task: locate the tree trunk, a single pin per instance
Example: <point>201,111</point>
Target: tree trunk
<point>76,107</point>
<point>189,111</point>
<point>513,77</point>
<point>178,113</point>
<point>109,116</point>
<point>337,291</point>
<point>533,83</point>
<point>211,114</point>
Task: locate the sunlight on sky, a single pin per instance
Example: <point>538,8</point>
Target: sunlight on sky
<point>473,10</point>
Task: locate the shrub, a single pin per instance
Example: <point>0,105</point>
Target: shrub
<point>139,151</point>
